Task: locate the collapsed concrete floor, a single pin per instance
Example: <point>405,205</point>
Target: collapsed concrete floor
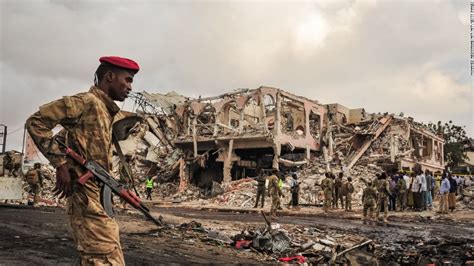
<point>410,238</point>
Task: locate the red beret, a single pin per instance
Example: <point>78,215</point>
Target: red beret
<point>120,62</point>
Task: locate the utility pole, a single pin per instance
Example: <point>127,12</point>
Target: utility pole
<point>3,138</point>
<point>472,37</point>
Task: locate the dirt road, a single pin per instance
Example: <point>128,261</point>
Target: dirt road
<point>40,236</point>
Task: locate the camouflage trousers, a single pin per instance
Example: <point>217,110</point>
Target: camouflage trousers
<point>275,204</point>
<point>327,201</point>
<point>349,201</point>
<point>95,233</point>
<point>368,211</point>
<point>382,202</point>
<point>402,201</point>
<point>35,190</point>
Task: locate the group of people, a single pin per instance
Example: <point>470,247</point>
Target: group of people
<point>337,190</point>
<point>273,183</point>
<point>415,191</point>
<point>399,191</point>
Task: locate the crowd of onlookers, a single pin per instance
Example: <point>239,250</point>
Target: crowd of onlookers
<point>417,190</point>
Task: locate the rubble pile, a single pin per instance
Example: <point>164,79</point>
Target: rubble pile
<point>47,197</point>
<point>467,197</point>
<point>292,244</point>
<point>239,193</point>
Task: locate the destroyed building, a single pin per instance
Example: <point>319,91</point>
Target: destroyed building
<point>234,135</point>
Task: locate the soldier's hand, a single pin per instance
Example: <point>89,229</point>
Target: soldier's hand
<point>63,186</point>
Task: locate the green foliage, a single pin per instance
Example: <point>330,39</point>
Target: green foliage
<point>454,136</point>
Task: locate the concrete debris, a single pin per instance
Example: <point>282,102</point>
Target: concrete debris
<point>219,237</point>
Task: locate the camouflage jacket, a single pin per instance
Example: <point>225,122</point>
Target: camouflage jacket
<point>383,188</point>
<point>327,185</point>
<point>401,185</point>
<point>34,177</point>
<point>369,196</point>
<point>87,121</point>
<point>273,187</point>
<point>347,188</point>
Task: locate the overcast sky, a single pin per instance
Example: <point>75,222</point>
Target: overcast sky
<point>386,56</point>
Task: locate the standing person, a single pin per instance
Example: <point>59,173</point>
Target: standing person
<point>416,189</point>
<point>87,121</point>
<point>424,190</point>
<point>295,190</point>
<point>34,178</point>
<point>383,190</point>
<point>393,193</point>
<point>337,196</point>
<point>274,192</point>
<point>402,193</point>
<point>349,189</point>
<point>443,194</point>
<point>338,190</point>
<point>369,197</point>
<point>429,187</point>
<point>327,186</point>
<point>149,186</point>
<point>452,192</point>
<point>260,189</point>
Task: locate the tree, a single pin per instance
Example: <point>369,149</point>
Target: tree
<point>454,136</point>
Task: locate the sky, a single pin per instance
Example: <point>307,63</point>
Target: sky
<point>382,55</point>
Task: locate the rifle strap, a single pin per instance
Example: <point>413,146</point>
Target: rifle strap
<point>124,164</point>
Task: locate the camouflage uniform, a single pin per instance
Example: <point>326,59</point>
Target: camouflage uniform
<point>402,194</point>
<point>275,192</point>
<point>327,185</point>
<point>383,190</point>
<point>338,195</point>
<point>87,118</point>
<point>348,188</point>
<point>34,178</point>
<point>369,197</point>
<point>12,162</point>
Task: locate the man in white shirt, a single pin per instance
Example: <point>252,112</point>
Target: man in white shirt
<point>416,189</point>
<point>424,190</point>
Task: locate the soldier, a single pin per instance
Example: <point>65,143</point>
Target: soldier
<point>12,162</point>
<point>337,192</point>
<point>402,193</point>
<point>369,197</point>
<point>260,189</point>
<point>348,189</point>
<point>87,121</point>
<point>327,186</point>
<point>383,190</point>
<point>34,178</point>
<point>274,191</point>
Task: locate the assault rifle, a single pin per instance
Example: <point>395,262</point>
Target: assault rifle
<point>110,184</point>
